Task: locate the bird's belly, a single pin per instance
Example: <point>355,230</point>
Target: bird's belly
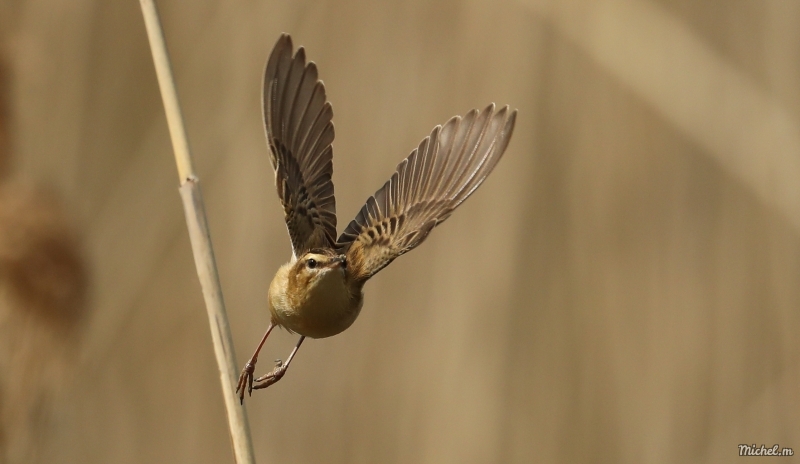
<point>325,312</point>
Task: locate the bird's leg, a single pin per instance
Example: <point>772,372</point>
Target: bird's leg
<point>246,377</point>
<point>266,380</point>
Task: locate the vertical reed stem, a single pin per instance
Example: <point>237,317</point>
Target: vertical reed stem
<point>201,240</point>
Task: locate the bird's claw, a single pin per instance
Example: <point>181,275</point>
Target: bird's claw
<point>246,378</point>
<point>266,380</point>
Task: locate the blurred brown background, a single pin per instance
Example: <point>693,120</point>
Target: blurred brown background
<point>623,289</point>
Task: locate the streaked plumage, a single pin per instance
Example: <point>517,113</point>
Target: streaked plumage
<point>319,292</point>
<point>297,119</point>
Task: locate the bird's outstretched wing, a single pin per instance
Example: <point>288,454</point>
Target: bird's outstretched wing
<point>297,118</point>
<point>428,185</point>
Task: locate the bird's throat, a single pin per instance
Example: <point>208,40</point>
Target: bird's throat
<point>323,308</point>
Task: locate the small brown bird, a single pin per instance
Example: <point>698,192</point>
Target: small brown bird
<point>319,293</point>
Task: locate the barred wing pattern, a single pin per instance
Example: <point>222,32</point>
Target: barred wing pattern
<point>425,189</point>
<point>299,129</point>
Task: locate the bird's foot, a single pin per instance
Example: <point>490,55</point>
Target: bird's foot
<point>266,380</point>
<point>246,379</point>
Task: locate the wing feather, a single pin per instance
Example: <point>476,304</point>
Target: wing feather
<point>427,186</point>
<point>298,122</point>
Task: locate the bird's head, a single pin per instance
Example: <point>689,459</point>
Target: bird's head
<point>318,265</point>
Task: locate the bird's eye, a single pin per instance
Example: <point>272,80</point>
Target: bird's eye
<point>311,263</point>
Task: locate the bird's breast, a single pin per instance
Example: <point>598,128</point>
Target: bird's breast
<point>324,309</point>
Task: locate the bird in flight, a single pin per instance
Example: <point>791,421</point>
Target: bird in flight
<point>319,293</point>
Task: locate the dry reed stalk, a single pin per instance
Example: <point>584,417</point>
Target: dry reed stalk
<point>201,240</point>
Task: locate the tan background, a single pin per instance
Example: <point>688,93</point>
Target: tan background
<point>623,289</point>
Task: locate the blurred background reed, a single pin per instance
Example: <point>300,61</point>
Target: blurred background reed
<point>631,290</point>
